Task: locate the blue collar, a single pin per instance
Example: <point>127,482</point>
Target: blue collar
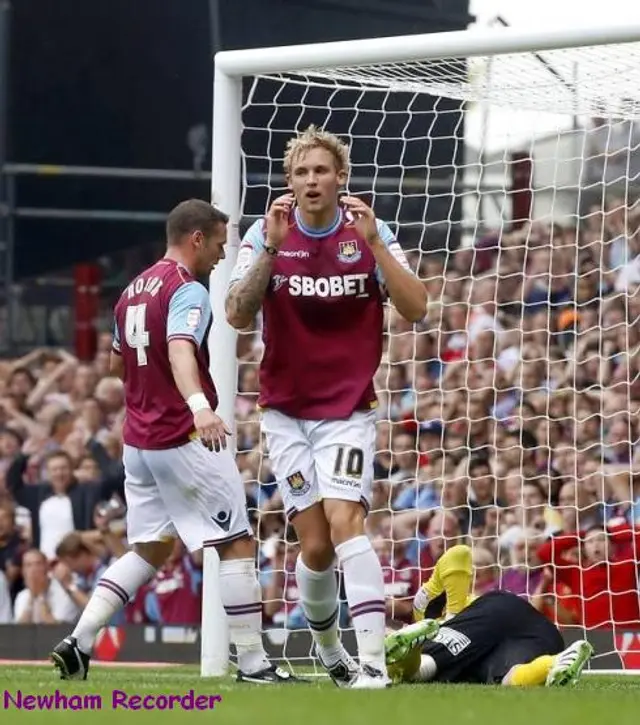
<point>317,233</point>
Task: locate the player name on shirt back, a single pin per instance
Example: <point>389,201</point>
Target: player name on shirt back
<point>162,304</point>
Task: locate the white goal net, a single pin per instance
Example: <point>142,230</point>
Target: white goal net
<point>509,417</point>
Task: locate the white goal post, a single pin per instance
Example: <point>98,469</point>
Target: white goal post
<point>417,65</point>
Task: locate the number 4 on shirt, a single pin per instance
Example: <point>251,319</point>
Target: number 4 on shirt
<point>135,331</point>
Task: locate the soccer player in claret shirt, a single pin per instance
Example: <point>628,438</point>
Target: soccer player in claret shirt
<point>180,479</point>
<point>320,267</point>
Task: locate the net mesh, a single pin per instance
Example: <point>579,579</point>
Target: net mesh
<point>586,80</point>
<point>509,415</point>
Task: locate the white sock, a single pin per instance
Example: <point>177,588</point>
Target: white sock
<point>118,584</point>
<point>428,669</point>
<point>364,586</point>
<point>319,599</point>
<point>242,600</point>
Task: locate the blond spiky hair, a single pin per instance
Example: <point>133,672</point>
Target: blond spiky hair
<point>313,138</point>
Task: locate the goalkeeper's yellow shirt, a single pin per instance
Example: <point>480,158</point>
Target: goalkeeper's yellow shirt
<point>448,590</point>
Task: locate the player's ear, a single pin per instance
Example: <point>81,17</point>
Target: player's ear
<point>198,239</point>
<point>287,178</point>
<point>342,177</point>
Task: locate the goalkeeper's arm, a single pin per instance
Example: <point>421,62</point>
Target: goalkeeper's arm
<point>452,577</point>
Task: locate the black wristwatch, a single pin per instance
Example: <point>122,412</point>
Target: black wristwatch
<point>272,251</point>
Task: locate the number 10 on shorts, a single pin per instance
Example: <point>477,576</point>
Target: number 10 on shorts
<point>349,463</point>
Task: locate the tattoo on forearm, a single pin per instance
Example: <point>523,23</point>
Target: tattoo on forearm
<point>245,297</point>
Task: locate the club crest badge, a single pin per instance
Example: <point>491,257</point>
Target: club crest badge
<point>348,251</point>
<point>298,484</point>
<point>194,315</point>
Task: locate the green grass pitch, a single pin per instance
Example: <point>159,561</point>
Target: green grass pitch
<point>607,699</point>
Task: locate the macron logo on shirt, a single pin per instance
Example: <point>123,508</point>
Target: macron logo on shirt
<point>294,253</point>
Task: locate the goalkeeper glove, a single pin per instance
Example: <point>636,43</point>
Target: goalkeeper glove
<point>420,602</point>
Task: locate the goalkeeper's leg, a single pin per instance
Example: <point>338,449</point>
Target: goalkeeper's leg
<point>532,653</point>
<point>403,649</point>
<point>520,661</point>
<point>567,666</point>
<point>464,641</point>
<point>457,652</point>
<point>535,662</point>
<point>398,644</point>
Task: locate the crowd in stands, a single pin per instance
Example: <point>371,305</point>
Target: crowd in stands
<point>508,419</point>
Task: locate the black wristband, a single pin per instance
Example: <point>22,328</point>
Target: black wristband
<point>271,251</point>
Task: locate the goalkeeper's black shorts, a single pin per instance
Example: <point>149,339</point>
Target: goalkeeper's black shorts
<point>494,633</point>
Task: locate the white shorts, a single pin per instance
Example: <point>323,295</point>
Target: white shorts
<point>189,492</point>
<point>317,459</point>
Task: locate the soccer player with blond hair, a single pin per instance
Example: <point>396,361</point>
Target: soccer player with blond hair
<point>320,267</point>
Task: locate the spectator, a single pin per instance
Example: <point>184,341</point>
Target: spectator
<point>88,470</point>
<point>612,151</point>
<point>174,595</point>
<point>443,532</point>
<point>43,600</point>
<point>525,575</point>
<point>556,600</point>
<point>57,377</point>
<point>110,395</point>
<point>59,506</point>
<point>522,572</point>
<point>483,493</point>
<point>578,510</point>
<point>485,571</point>
<point>12,547</point>
<point>78,568</point>
<point>20,385</point>
<point>10,445</point>
<point>280,591</point>
<point>6,615</point>
<point>605,580</point>
<point>401,576</point>
<point>380,508</point>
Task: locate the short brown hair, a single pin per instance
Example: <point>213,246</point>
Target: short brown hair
<point>41,555</point>
<point>193,215</point>
<point>64,416</point>
<point>72,545</point>
<point>59,454</point>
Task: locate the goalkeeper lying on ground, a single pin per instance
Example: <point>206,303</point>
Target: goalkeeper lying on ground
<point>496,638</point>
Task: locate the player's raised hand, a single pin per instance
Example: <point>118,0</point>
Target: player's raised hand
<point>63,574</point>
<point>278,219</point>
<point>364,218</point>
<point>211,430</point>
